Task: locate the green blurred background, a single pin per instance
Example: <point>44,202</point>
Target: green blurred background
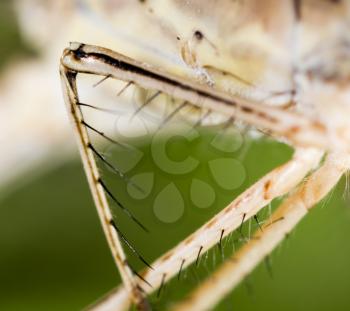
<point>53,255</point>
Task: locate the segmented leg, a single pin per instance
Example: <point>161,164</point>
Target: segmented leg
<point>283,220</point>
<point>297,128</point>
<point>96,185</point>
<point>276,183</point>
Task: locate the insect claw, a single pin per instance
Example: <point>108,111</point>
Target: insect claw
<point>241,226</point>
<point>122,236</point>
<point>220,241</point>
<point>124,88</point>
<point>257,221</point>
<point>145,104</point>
<point>102,80</point>
<point>124,209</point>
<point>172,114</point>
<point>104,136</point>
<point>198,255</point>
<point>201,119</point>
<point>101,157</point>
<point>180,270</point>
<point>161,285</point>
<point>140,277</point>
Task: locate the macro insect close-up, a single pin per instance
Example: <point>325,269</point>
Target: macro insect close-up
<point>207,132</point>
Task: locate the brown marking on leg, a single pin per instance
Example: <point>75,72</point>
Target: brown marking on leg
<point>189,239</point>
<point>167,256</point>
<point>211,223</point>
<point>267,187</point>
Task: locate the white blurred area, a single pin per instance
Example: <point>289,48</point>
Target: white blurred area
<point>33,125</point>
<point>34,130</point>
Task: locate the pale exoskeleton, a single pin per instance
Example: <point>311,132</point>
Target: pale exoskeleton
<point>281,67</point>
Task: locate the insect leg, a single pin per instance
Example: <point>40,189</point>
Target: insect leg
<point>283,221</point>
<point>295,127</point>
<point>276,183</point>
<point>71,98</point>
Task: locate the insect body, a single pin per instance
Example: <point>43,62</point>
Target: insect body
<point>298,74</point>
